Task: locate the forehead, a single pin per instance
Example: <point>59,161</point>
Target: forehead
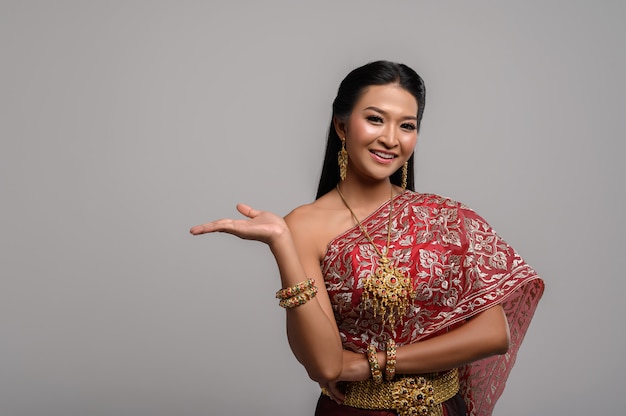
<point>390,97</point>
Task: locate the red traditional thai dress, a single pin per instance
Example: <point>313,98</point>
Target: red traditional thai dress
<point>458,266</point>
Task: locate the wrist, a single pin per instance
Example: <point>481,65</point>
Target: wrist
<point>280,240</point>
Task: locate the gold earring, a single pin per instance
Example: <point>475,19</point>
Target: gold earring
<point>405,174</point>
<point>342,159</point>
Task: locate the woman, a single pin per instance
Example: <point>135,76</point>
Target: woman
<point>397,302</point>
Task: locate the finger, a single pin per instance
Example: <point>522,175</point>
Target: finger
<point>225,225</point>
<point>335,393</point>
<point>210,227</point>
<point>247,210</point>
<point>197,230</point>
<point>329,392</point>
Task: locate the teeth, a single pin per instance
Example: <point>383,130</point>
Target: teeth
<point>383,155</point>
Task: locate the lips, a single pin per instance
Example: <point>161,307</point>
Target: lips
<point>387,157</point>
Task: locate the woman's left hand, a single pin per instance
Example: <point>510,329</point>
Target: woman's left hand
<point>355,368</point>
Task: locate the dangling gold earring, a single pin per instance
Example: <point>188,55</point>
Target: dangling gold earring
<point>405,174</point>
<point>342,159</point>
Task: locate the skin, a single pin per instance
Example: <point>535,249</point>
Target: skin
<point>380,136</point>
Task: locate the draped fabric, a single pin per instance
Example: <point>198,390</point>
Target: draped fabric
<point>458,266</point>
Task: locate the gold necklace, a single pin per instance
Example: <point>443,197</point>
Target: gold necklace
<point>388,289</point>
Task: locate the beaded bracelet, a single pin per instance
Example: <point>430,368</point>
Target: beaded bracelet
<point>377,375</point>
<point>299,299</point>
<point>296,289</point>
<point>390,366</point>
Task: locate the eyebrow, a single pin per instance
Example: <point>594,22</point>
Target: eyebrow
<point>384,112</point>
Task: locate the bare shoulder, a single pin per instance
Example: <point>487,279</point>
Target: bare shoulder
<point>316,223</point>
<point>309,216</point>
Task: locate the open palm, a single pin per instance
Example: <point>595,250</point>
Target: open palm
<point>262,226</point>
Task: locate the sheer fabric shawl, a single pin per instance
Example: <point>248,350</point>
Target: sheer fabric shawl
<point>458,266</point>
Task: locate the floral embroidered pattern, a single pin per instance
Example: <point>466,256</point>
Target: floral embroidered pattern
<point>458,267</point>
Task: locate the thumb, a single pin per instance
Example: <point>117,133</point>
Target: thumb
<point>247,210</point>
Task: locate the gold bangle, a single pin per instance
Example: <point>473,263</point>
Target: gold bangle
<point>299,299</point>
<point>377,375</point>
<point>296,289</point>
<point>390,366</point>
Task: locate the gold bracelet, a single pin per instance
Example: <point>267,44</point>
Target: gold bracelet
<point>296,289</point>
<point>377,375</point>
<point>390,366</point>
<point>299,299</point>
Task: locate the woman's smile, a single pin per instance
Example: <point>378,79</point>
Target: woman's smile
<point>383,157</point>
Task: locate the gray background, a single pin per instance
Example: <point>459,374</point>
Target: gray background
<point>123,123</point>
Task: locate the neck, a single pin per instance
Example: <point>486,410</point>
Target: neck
<point>367,197</point>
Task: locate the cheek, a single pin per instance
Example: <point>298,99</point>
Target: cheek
<point>363,130</point>
<point>409,142</point>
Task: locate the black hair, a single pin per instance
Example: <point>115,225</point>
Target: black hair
<point>350,90</point>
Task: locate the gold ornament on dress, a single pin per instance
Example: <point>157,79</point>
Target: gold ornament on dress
<point>409,395</point>
<point>342,160</point>
<point>387,290</point>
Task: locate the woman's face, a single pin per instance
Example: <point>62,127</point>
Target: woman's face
<point>381,131</point>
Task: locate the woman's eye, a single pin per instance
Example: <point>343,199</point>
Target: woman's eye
<point>409,126</point>
<point>375,119</point>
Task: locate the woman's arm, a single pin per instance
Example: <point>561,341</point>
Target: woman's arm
<point>483,335</point>
<point>311,328</point>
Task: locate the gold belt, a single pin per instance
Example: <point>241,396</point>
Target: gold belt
<point>408,395</point>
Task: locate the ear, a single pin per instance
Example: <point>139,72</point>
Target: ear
<point>340,127</point>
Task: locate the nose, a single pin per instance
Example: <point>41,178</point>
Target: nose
<point>388,136</point>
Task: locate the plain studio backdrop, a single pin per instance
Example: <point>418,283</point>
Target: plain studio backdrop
<point>124,123</point>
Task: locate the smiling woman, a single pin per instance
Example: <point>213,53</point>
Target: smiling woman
<point>396,302</point>
<point>381,132</point>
